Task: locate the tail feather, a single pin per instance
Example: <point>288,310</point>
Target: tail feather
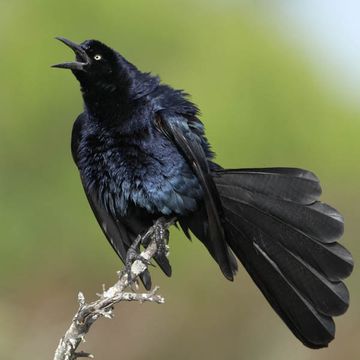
<point>315,330</point>
<point>316,219</point>
<point>290,184</point>
<point>286,240</point>
<point>331,259</point>
<point>330,298</point>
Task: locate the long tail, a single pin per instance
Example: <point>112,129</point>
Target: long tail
<point>286,240</point>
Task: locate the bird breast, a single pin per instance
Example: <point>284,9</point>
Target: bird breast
<point>149,173</point>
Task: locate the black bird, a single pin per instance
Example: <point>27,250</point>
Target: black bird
<point>142,154</point>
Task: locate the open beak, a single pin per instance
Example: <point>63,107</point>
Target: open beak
<point>82,59</point>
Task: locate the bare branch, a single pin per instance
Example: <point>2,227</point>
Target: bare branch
<point>88,313</point>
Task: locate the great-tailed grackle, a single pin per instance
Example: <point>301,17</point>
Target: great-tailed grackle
<point>142,154</point>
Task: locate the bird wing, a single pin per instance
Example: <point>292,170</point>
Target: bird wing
<point>185,133</point>
<point>116,232</point>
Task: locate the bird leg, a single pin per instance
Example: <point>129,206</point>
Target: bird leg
<point>161,237</point>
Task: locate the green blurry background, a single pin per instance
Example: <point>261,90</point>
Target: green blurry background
<point>264,102</point>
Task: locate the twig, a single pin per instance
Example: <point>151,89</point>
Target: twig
<point>88,313</point>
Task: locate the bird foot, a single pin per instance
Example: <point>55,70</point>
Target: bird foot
<point>133,254</point>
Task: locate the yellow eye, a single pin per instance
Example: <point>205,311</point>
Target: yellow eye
<point>97,57</point>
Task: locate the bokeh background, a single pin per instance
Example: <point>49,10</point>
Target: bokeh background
<point>278,85</point>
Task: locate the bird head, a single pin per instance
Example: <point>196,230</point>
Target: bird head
<point>95,62</point>
<point>101,70</point>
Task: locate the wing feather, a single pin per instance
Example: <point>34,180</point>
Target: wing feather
<point>176,128</point>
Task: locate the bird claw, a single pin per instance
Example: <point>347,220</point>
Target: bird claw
<point>132,256</point>
<point>161,237</point>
